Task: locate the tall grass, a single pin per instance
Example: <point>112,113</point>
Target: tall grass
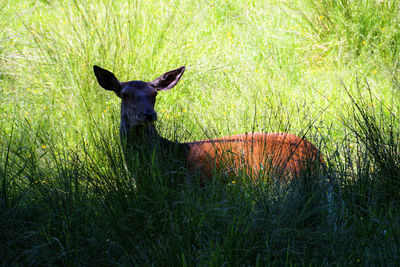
<point>367,27</point>
<point>68,196</point>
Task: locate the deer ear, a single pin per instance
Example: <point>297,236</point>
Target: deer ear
<point>107,79</point>
<point>168,79</point>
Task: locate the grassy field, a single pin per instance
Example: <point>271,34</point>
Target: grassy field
<point>326,70</point>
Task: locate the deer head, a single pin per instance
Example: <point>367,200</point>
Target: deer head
<point>137,97</point>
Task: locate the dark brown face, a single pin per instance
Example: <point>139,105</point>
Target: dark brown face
<point>137,105</point>
<point>138,98</point>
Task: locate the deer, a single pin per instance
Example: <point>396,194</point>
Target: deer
<point>280,154</point>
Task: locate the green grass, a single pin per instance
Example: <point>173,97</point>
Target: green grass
<point>327,70</point>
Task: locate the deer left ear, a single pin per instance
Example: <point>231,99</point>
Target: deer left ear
<point>107,79</point>
<point>168,79</point>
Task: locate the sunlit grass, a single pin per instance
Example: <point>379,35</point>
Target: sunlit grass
<point>245,55</point>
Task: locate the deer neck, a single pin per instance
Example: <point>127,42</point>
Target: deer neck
<point>145,136</point>
<point>139,136</point>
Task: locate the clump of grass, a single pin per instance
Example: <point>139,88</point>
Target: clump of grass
<point>366,174</point>
<point>375,129</point>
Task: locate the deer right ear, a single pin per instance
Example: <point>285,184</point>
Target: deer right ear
<point>168,79</point>
<point>107,79</point>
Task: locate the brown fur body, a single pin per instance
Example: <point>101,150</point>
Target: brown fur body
<point>276,154</point>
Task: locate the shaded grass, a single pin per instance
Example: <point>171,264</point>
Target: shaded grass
<point>220,223</point>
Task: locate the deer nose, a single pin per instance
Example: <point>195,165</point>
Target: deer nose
<point>150,115</point>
